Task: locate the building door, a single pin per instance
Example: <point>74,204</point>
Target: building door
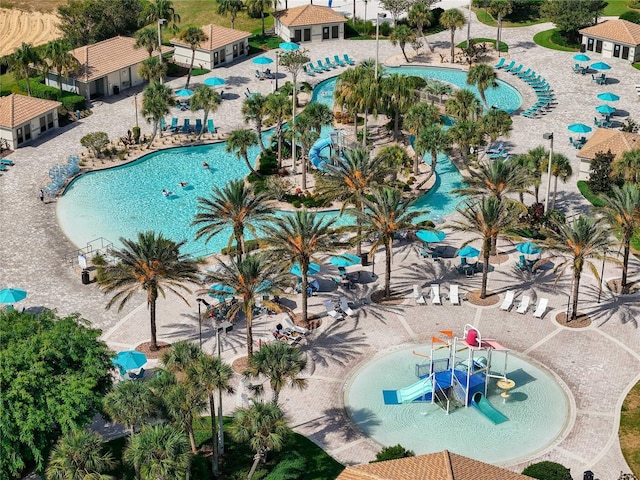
<point>27,132</point>
<point>297,35</point>
<point>325,33</point>
<point>235,50</point>
<point>625,53</point>
<point>335,31</point>
<point>598,46</point>
<point>223,55</point>
<point>590,44</point>
<point>216,58</point>
<point>43,124</point>
<point>307,34</point>
<point>20,135</point>
<point>616,50</point>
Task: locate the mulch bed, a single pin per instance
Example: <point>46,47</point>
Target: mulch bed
<point>239,365</point>
<point>396,298</point>
<point>313,321</point>
<point>146,349</point>
<point>615,286</point>
<point>582,320</point>
<point>490,299</point>
<point>499,258</point>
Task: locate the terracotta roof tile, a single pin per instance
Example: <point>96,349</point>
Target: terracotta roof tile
<point>434,466</point>
<point>109,56</point>
<point>18,109</point>
<point>604,139</point>
<point>308,15</point>
<point>617,30</point>
<point>218,37</point>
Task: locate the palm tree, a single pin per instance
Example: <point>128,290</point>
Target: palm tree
<point>250,279</point>
<point>207,99</point>
<point>254,110</point>
<point>295,238</point>
<point>499,8</point>
<point>194,37</point>
<point>239,143</point>
<point>579,241</point>
<point>532,163</point>
<point>180,358</point>
<point>386,213</point>
<point>399,95</point>
<point>483,76</point>
<point>236,205</point>
<point>156,100</point>
<point>60,60</point>
<point>152,69</point>
<point>420,116</point>
<point>278,108</point>
<point>152,264</point>
<point>147,38</point>
<point>627,166</point>
<point>263,427</point>
<point>393,158</point>
<point>129,403</point>
<point>622,212</point>
<point>438,88</point>
<point>345,93</point>
<point>432,139</point>
<point>496,123</point>
<point>452,19</point>
<point>79,455</point>
<point>319,114</point>
<point>350,180</point>
<point>259,6</point>
<point>560,168</point>
<point>466,134</point>
<point>159,452</point>
<point>401,35</point>
<point>304,135</point>
<point>488,217</point>
<point>420,16</point>
<point>162,9</point>
<point>463,105</point>
<point>281,364</point>
<point>22,60</point>
<point>231,8</point>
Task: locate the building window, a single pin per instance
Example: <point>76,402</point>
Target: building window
<point>625,53</point>
<point>297,35</point>
<point>616,50</point>
<point>235,50</point>
<point>307,34</point>
<point>43,124</point>
<point>335,31</point>
<point>50,120</point>
<point>590,44</point>
<point>598,46</point>
<point>325,33</point>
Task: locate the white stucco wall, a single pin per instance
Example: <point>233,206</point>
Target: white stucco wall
<point>608,47</point>
<point>289,33</point>
<point>11,134</point>
<point>182,55</point>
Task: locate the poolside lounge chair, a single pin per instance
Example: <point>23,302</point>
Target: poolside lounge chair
<point>344,307</point>
<point>330,63</point>
<point>331,311</point>
<point>541,308</point>
<point>508,300</point>
<point>198,125</point>
<point>454,294</point>
<point>321,66</point>
<point>211,128</point>
<point>435,294</point>
<point>185,126</point>
<point>418,296</point>
<point>174,124</point>
<point>308,71</point>
<point>314,68</point>
<point>524,74</point>
<point>339,62</point>
<point>6,161</point>
<point>510,66</point>
<point>348,60</point>
<point>137,376</point>
<point>501,153</point>
<point>3,168</point>
<point>495,149</point>
<point>163,125</point>
<point>524,304</point>
<point>516,70</point>
<point>500,64</point>
<point>292,326</point>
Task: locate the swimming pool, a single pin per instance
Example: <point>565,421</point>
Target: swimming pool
<point>538,412</point>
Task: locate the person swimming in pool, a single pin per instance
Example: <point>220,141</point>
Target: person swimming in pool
<point>205,165</point>
<point>167,193</point>
<point>183,184</point>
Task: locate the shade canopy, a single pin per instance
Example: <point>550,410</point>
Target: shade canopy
<point>262,61</point>
<point>600,66</point>
<point>130,359</point>
<point>214,81</point>
<point>579,128</point>
<point>314,268</point>
<point>346,260</point>
<point>605,109</point>
<point>528,248</point>
<point>431,236</point>
<point>221,292</point>
<point>608,97</point>
<point>468,252</point>
<point>12,295</point>
<point>184,92</point>
<point>581,57</point>
<point>289,46</point>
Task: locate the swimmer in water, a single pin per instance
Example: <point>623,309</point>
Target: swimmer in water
<point>205,164</point>
<point>166,193</point>
<point>183,184</point>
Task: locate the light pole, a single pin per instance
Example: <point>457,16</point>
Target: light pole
<point>469,28</point>
<point>161,21</point>
<point>378,17</point>
<point>548,136</point>
<point>604,258</point>
<point>200,301</point>
<point>293,129</point>
<point>365,17</point>
<point>135,103</point>
<point>277,62</point>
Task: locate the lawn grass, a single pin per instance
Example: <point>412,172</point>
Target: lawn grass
<point>552,40</point>
<point>503,46</point>
<point>636,65</point>
<point>615,8</point>
<point>8,84</point>
<point>630,429</point>
<point>484,17</point>
<point>586,192</point>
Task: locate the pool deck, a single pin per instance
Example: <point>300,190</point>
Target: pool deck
<point>598,364</point>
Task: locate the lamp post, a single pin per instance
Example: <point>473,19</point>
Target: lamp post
<point>277,62</point>
<point>365,17</point>
<point>135,103</point>
<point>200,301</point>
<point>548,136</point>
<point>378,17</point>
<point>293,129</point>
<point>469,28</point>
<point>604,258</point>
<point>161,21</point>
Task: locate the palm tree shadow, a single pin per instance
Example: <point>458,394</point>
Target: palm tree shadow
<point>335,420</point>
<point>612,306</point>
<point>334,346</point>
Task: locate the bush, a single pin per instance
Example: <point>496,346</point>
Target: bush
<point>631,16</point>
<point>73,102</point>
<point>547,471</point>
<point>95,141</point>
<point>293,467</point>
<point>600,176</point>
<point>393,453</point>
<point>588,194</point>
<point>249,246</point>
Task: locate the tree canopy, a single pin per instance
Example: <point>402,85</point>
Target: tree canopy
<point>53,374</point>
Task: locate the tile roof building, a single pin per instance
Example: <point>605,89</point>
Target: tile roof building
<point>23,118</point>
<point>309,23</point>
<point>106,68</point>
<point>223,46</point>
<point>433,466</point>
<point>605,140</point>
<point>613,39</point>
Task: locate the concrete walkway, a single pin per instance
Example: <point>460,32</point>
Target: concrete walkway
<point>598,364</point>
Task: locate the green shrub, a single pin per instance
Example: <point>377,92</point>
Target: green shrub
<point>393,453</point>
<point>600,177</point>
<point>631,16</point>
<point>38,89</point>
<point>96,142</point>
<point>547,471</point>
<point>293,467</point>
<point>136,134</point>
<point>199,71</point>
<point>586,192</point>
<point>249,246</point>
<point>73,102</point>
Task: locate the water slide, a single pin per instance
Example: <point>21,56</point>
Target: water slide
<point>408,394</point>
<point>314,152</point>
<point>484,406</point>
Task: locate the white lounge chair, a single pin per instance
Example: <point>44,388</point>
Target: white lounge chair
<point>417,295</point>
<point>541,308</point>
<point>454,295</point>
<point>435,294</point>
<point>331,311</point>
<point>292,326</point>
<point>344,306</point>
<point>524,304</point>
<point>508,300</point>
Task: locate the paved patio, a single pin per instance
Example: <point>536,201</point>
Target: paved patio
<point>598,364</point>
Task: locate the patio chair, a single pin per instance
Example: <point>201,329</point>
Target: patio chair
<point>198,125</point>
<point>163,125</point>
<point>292,326</point>
<point>137,376</point>
<point>260,75</point>
<point>524,304</point>
<point>185,126</point>
<point>524,74</point>
<point>308,71</point>
<point>315,69</point>
<point>322,67</point>
<point>495,149</point>
<point>577,68</point>
<point>339,62</point>
<point>541,308</point>
<point>454,294</point>
<point>418,296</point>
<point>330,63</point>
<point>500,64</point>
<point>331,311</point>
<point>344,307</point>
<point>174,124</point>
<point>522,263</point>
<point>510,66</point>
<point>516,70</point>
<point>7,162</point>
<point>348,60</point>
<point>435,294</point>
<point>508,300</point>
<point>211,128</point>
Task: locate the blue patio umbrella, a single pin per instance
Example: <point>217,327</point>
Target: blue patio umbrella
<point>581,57</point>
<point>130,359</point>
<point>528,248</point>
<point>214,81</point>
<point>289,46</point>
<point>346,260</point>
<point>608,97</point>
<point>221,292</point>
<point>579,128</point>
<point>262,61</point>
<point>184,92</point>
<point>431,236</point>
<point>314,268</point>
<point>468,252</point>
<point>605,109</point>
<point>12,295</point>
<point>600,66</point>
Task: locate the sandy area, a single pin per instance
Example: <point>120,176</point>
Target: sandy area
<point>17,26</point>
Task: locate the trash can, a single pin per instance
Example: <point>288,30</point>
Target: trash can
<point>588,475</point>
<point>364,259</point>
<point>116,89</point>
<point>85,277</point>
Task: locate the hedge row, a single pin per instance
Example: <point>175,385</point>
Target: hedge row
<point>70,101</point>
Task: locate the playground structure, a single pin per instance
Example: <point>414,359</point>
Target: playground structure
<point>335,141</point>
<point>459,379</point>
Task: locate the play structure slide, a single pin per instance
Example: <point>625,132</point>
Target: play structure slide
<point>485,407</point>
<point>314,152</point>
<point>407,394</point>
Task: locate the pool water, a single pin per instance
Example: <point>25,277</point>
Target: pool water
<point>538,411</point>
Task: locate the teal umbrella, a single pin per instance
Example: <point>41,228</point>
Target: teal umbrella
<point>346,260</point>
<point>214,82</point>
<point>431,236</point>
<point>184,92</point>
<point>579,128</point>
<point>12,295</point>
<point>130,359</point>
<point>221,292</point>
<point>608,97</point>
<point>289,46</point>
<point>468,252</point>
<point>313,269</point>
<point>600,66</point>
<point>528,248</point>
<point>262,61</point>
<point>581,57</point>
<point>605,109</point>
